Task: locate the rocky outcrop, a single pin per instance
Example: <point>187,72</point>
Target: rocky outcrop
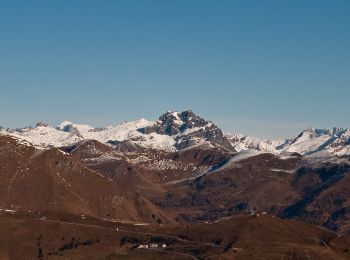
<point>188,129</point>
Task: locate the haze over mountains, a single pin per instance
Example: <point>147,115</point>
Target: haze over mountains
<point>175,131</point>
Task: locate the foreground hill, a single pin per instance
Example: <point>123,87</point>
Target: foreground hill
<point>198,184</point>
<point>241,237</point>
<point>291,188</point>
<point>51,180</point>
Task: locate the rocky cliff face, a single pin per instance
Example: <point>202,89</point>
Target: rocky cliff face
<point>188,129</point>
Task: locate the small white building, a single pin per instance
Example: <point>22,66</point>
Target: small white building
<point>142,246</point>
<point>153,245</point>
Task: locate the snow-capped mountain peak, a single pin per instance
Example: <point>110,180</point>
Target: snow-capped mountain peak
<point>187,129</point>
<point>172,123</point>
<point>313,140</point>
<point>181,130</point>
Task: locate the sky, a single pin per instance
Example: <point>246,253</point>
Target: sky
<point>264,68</point>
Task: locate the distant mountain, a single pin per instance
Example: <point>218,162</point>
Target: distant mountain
<point>188,129</point>
<point>334,141</point>
<point>242,142</point>
<point>174,131</point>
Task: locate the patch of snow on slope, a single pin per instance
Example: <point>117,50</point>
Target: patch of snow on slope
<point>239,157</point>
<point>244,155</point>
<point>307,145</point>
<point>177,120</point>
<point>153,141</point>
<point>120,132</point>
<point>194,129</point>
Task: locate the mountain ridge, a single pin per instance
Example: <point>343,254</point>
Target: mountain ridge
<point>174,131</point>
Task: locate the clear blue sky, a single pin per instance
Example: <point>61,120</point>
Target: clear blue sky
<point>267,68</point>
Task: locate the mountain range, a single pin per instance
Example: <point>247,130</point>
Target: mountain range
<point>76,192</point>
<point>174,131</point>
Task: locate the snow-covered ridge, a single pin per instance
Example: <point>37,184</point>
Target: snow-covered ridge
<point>182,130</point>
<point>241,142</point>
<point>334,141</point>
<point>67,133</point>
